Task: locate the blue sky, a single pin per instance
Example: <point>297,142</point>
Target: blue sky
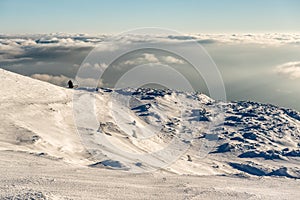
<point>113,16</point>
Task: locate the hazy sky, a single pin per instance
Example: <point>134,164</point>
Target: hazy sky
<point>113,16</point>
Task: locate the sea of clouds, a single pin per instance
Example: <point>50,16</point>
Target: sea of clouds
<point>245,60</point>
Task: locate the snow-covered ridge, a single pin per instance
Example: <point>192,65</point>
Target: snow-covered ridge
<point>254,138</point>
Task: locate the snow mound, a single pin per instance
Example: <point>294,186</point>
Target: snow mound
<point>260,170</point>
<point>110,164</point>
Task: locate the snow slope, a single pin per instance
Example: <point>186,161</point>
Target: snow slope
<point>37,117</point>
<point>253,138</point>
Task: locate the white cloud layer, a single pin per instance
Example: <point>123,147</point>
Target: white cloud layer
<point>63,80</point>
<point>150,57</point>
<point>290,70</point>
<point>147,58</point>
<point>57,80</point>
<point>172,60</point>
<point>18,47</point>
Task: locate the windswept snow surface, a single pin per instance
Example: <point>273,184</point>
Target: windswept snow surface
<point>232,150</point>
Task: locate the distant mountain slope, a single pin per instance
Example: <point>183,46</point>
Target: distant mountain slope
<point>252,139</point>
